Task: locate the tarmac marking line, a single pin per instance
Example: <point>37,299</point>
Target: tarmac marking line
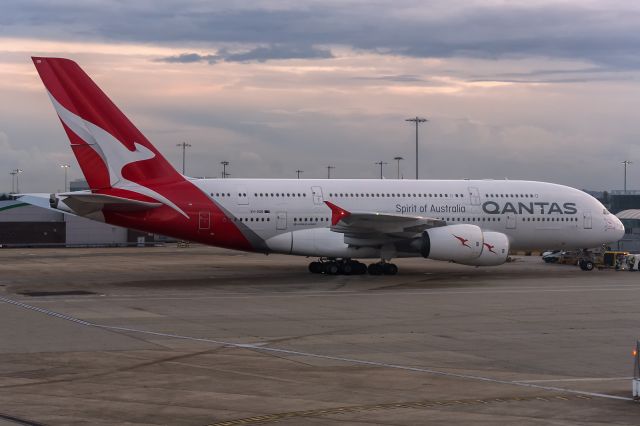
<point>267,349</point>
<point>272,418</point>
<point>578,379</point>
<point>19,421</point>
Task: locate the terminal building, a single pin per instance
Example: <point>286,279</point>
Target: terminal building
<point>625,205</point>
<point>24,225</point>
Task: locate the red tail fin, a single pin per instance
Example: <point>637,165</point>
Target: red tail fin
<point>109,148</point>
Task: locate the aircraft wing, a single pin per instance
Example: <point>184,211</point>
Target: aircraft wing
<point>378,227</point>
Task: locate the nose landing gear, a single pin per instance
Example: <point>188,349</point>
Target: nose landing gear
<point>351,267</point>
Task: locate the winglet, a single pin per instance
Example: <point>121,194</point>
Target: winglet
<point>337,213</point>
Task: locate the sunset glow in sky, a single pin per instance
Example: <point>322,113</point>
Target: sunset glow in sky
<point>525,90</point>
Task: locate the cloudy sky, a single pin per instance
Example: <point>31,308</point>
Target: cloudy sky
<point>542,90</point>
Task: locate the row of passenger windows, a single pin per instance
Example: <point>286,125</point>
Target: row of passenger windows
<point>511,195</point>
<point>447,219</point>
<point>383,194</point>
<point>471,219</point>
<point>311,219</point>
<point>251,219</point>
<point>549,219</point>
<point>371,195</point>
<point>261,194</point>
<point>524,219</point>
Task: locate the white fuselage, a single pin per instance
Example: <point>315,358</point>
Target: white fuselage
<point>534,215</point>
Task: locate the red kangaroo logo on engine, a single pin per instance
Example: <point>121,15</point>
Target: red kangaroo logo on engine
<point>463,241</point>
<point>490,247</point>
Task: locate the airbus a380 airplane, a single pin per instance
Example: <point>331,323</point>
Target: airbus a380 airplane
<point>472,222</point>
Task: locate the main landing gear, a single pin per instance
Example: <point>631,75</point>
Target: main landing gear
<point>351,267</point>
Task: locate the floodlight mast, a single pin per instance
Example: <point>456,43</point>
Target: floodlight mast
<point>381,163</point>
<point>398,159</point>
<point>626,163</point>
<point>184,147</point>
<point>329,168</point>
<point>417,120</point>
<point>66,168</point>
<point>224,169</point>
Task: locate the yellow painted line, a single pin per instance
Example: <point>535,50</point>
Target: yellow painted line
<point>269,418</point>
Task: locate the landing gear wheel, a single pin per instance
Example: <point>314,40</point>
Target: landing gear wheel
<point>331,268</point>
<point>375,269</point>
<point>389,269</point>
<point>315,267</point>
<point>359,268</point>
<point>347,268</point>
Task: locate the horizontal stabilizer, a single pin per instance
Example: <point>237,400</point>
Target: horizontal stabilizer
<point>84,203</point>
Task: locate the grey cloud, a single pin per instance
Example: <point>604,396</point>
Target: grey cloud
<point>259,54</point>
<point>600,33</point>
<point>188,58</point>
<point>559,75</point>
<point>400,78</point>
<point>262,54</point>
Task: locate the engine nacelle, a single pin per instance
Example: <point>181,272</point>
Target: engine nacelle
<point>495,250</point>
<point>458,243</point>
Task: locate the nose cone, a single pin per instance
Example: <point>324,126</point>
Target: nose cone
<point>618,228</point>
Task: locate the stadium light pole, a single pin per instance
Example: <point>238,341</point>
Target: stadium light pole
<point>17,173</point>
<point>329,171</point>
<point>398,160</point>
<point>417,120</point>
<point>626,163</point>
<point>13,181</point>
<point>184,147</point>
<point>298,172</point>
<point>381,163</point>
<point>224,169</point>
<point>66,168</point>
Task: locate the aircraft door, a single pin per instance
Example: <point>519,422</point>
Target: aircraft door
<point>243,197</point>
<point>281,221</point>
<point>316,192</point>
<point>512,221</point>
<point>204,220</point>
<point>474,196</point>
<point>586,219</point>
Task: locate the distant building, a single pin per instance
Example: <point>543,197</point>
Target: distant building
<point>78,185</point>
<point>22,225</point>
<point>625,205</point>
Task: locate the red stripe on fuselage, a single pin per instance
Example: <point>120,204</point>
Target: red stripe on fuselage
<point>221,231</point>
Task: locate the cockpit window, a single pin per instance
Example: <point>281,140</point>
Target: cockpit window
<point>605,212</point>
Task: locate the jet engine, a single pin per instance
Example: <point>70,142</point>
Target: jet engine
<point>464,244</point>
<point>495,250</point>
<point>458,243</point>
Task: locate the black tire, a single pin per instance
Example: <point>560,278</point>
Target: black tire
<point>331,268</point>
<point>588,265</point>
<point>347,268</point>
<point>375,269</point>
<point>315,267</point>
<point>359,268</point>
<point>389,269</point>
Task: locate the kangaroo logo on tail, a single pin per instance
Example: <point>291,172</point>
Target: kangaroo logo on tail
<point>113,153</point>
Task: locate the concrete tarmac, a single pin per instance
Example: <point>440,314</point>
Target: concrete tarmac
<point>205,336</point>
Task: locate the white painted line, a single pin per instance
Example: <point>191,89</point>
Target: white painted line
<point>312,355</point>
<point>581,379</point>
